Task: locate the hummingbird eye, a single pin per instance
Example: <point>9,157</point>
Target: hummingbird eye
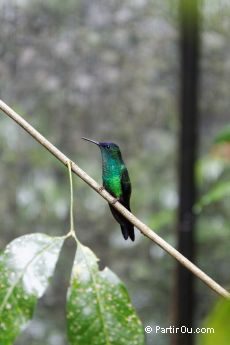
<point>108,146</point>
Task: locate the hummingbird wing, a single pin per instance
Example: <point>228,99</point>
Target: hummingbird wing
<point>126,227</point>
<point>126,188</point>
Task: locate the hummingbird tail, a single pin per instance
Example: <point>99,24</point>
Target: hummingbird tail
<point>128,231</point>
<point>127,228</point>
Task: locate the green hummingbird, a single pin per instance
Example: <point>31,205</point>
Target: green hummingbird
<point>116,181</point>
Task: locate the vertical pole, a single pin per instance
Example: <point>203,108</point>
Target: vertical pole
<point>189,55</point>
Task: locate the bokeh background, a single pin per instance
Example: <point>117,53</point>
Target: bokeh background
<point>109,70</point>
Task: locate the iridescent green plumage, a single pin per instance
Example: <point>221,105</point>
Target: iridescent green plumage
<point>116,181</point>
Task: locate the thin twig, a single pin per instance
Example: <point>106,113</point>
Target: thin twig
<point>71,197</point>
<point>72,231</point>
<point>145,230</point>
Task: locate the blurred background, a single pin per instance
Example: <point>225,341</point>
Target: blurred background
<point>113,70</point>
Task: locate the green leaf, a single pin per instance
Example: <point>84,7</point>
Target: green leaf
<point>219,321</point>
<point>216,193</point>
<point>99,311</point>
<point>26,266</point>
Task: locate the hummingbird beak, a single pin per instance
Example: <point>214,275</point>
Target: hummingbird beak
<point>92,141</point>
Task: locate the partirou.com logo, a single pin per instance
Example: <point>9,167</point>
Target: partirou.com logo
<point>173,329</point>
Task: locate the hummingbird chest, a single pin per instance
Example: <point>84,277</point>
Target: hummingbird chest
<point>112,180</point>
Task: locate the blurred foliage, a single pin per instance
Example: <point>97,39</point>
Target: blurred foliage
<point>223,136</point>
<point>108,70</point>
<point>216,193</point>
<point>213,168</point>
<point>218,320</point>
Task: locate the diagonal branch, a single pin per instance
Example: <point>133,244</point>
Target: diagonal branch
<point>145,230</point>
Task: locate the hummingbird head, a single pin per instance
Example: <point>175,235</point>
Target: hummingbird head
<point>107,148</point>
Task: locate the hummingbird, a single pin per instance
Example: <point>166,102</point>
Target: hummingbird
<point>116,181</point>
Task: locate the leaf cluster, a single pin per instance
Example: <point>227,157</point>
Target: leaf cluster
<point>98,308</point>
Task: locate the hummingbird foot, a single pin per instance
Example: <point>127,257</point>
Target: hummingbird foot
<point>115,200</point>
<point>100,189</point>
